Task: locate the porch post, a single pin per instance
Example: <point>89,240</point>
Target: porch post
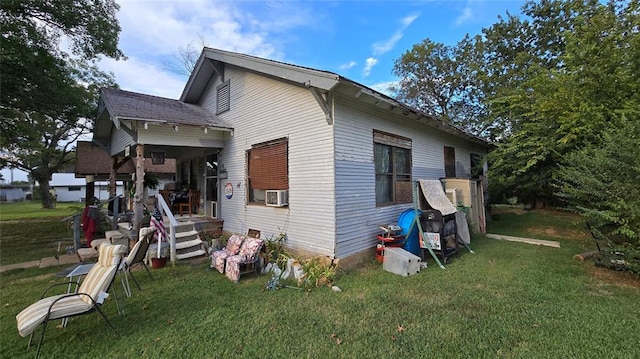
<point>89,192</point>
<point>137,199</point>
<point>112,176</point>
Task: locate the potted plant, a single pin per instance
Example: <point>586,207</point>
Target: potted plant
<point>158,262</point>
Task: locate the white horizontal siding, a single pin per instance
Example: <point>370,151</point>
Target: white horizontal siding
<point>332,208</point>
<point>263,109</point>
<point>357,217</point>
<point>120,139</point>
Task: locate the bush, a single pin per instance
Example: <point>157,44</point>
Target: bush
<point>601,183</point>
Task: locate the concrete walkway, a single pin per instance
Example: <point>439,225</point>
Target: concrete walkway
<point>43,263</point>
<point>540,242</point>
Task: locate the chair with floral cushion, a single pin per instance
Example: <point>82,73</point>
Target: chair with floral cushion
<point>218,258</point>
<point>246,261</point>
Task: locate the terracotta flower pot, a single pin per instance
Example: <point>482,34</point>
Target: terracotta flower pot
<point>158,262</point>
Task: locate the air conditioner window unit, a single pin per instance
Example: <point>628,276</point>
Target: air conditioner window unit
<point>277,198</point>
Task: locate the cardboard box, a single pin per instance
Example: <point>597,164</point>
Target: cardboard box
<point>401,262</point>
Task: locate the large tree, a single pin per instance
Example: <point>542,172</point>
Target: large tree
<point>562,78</point>
<point>441,80</point>
<point>544,83</point>
<point>49,79</point>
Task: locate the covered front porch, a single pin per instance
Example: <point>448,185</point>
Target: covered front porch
<point>149,131</point>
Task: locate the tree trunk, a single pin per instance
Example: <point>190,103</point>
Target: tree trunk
<point>45,195</point>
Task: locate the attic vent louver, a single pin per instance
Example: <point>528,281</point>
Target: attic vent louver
<point>223,97</point>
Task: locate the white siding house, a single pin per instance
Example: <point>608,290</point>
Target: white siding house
<point>68,188</point>
<point>345,146</point>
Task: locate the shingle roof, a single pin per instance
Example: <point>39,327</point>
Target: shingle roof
<point>136,106</point>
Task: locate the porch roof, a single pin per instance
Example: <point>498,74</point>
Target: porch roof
<point>126,105</point>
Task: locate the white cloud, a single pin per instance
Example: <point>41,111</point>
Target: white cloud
<point>385,87</point>
<point>347,65</point>
<point>138,76</point>
<point>369,64</point>
<point>382,47</point>
<point>466,16</point>
<point>409,19</point>
<point>166,26</point>
<point>154,31</point>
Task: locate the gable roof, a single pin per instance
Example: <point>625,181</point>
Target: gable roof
<point>210,60</point>
<point>126,105</point>
<point>205,68</point>
<point>93,160</point>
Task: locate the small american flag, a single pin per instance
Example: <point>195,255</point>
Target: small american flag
<point>156,222</point>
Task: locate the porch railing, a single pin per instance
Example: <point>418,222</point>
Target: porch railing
<point>165,211</point>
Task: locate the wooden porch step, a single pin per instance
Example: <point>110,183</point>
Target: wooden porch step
<point>196,253</point>
<point>181,236</point>
<point>187,244</point>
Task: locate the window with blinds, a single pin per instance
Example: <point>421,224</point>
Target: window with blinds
<point>268,168</point>
<point>223,97</point>
<point>392,157</point>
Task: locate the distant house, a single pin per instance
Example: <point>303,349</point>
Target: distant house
<point>288,149</point>
<point>68,188</point>
<point>14,193</point>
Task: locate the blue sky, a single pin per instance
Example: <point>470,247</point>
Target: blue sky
<point>356,39</point>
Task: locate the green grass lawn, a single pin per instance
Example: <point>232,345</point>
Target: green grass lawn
<point>29,232</point>
<point>507,300</point>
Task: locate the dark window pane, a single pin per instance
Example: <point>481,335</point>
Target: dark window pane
<point>403,160</point>
<point>382,158</point>
<point>383,189</point>
<point>449,162</point>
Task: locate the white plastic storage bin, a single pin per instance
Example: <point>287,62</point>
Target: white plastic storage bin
<point>401,262</point>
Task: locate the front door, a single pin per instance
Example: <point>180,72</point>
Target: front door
<point>211,185</point>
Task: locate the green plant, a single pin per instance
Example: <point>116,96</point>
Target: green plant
<point>150,180</point>
<point>317,272</point>
<point>214,239</point>
<point>275,251</point>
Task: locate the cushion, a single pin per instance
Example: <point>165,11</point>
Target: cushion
<point>101,275</point>
<point>234,243</point>
<point>32,316</point>
<point>250,247</point>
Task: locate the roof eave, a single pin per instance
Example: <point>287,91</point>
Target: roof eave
<point>296,74</point>
<point>420,115</point>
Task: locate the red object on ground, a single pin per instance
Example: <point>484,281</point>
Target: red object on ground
<point>89,223</point>
<point>392,241</point>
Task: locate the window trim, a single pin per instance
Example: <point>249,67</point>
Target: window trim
<point>395,143</point>
<point>284,185</point>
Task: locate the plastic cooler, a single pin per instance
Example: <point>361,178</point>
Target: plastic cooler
<point>401,262</point>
